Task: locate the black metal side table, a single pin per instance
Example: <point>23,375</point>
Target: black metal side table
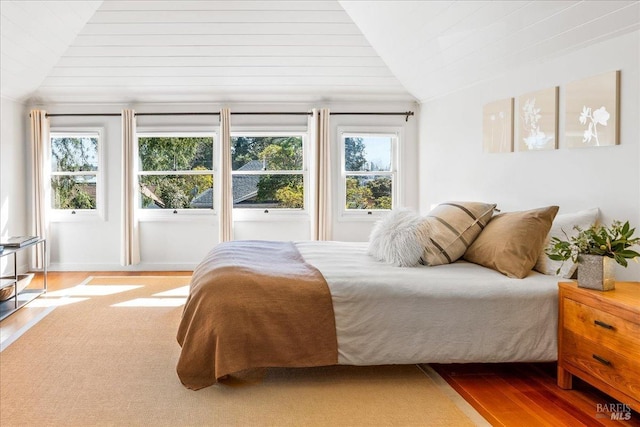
<point>21,298</point>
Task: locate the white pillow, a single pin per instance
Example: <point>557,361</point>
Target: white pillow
<point>564,224</point>
<point>394,238</point>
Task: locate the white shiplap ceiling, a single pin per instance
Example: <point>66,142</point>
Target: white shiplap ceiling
<point>137,51</point>
<point>34,36</point>
<point>221,51</point>
<point>444,46</point>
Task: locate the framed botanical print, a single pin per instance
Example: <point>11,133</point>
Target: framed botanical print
<point>497,126</point>
<point>538,120</point>
<point>592,111</point>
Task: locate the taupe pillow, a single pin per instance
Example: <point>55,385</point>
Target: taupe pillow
<point>449,229</point>
<point>512,241</point>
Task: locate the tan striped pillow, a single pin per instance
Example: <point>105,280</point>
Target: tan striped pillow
<point>450,228</point>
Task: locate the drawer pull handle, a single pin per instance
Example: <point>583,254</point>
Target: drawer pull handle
<point>602,360</point>
<point>604,325</point>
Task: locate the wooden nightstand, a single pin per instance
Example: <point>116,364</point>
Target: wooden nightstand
<point>599,339</point>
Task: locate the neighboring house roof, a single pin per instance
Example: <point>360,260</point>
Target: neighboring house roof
<point>203,200</point>
<point>245,187</point>
<point>252,165</point>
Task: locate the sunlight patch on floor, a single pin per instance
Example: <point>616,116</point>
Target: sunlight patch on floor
<point>92,290</point>
<point>152,302</point>
<point>182,291</point>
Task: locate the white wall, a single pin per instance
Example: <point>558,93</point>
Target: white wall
<point>95,244</point>
<point>181,243</point>
<point>454,167</point>
<point>14,220</point>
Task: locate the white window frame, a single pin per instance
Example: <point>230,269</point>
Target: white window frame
<point>277,214</point>
<point>396,134</point>
<point>79,215</point>
<point>149,215</point>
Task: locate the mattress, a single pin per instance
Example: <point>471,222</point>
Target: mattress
<point>454,313</point>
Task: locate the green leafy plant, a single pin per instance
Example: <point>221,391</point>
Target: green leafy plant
<point>613,242</point>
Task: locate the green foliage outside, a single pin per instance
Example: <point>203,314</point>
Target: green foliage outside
<point>181,154</point>
<point>173,191</point>
<point>73,154</point>
<point>174,154</point>
<point>70,194</point>
<point>285,190</point>
<point>292,194</point>
<point>363,193</point>
<point>278,153</point>
<point>354,154</point>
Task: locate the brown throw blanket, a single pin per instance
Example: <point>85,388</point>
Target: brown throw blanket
<point>254,304</point>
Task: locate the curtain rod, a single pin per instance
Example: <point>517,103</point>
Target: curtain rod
<point>240,113</point>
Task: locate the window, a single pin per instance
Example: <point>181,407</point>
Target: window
<point>175,171</point>
<point>268,171</point>
<point>76,172</point>
<point>369,172</point>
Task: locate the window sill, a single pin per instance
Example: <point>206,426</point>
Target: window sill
<point>280,215</point>
<point>364,215</point>
<point>169,215</point>
<point>76,216</point>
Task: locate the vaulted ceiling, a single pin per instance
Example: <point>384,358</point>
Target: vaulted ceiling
<point>222,51</point>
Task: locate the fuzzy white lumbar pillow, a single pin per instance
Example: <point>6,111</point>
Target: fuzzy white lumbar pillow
<point>395,240</point>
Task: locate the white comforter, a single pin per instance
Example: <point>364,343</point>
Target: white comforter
<point>459,312</point>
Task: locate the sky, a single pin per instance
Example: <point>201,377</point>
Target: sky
<point>378,150</point>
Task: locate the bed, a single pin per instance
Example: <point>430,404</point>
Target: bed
<point>372,313</point>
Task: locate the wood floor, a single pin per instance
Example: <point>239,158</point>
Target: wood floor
<point>526,394</point>
<point>506,394</point>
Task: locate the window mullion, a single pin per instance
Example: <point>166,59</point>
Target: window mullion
<point>274,172</point>
<point>182,172</point>
<point>74,173</point>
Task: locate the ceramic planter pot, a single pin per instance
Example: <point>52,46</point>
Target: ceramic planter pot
<point>596,272</point>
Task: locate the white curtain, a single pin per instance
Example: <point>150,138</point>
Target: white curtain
<point>39,180</point>
<point>130,253</point>
<point>225,192</point>
<point>322,175</point>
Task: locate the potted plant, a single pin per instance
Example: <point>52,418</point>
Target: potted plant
<point>595,249</point>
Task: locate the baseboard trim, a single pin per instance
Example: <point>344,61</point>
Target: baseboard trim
<point>118,267</point>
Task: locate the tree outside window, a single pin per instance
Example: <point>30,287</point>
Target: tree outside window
<point>267,171</point>
<point>175,171</point>
<point>368,171</point>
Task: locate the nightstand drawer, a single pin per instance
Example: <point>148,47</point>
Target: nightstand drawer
<point>619,371</point>
<point>602,327</point>
<point>599,339</point>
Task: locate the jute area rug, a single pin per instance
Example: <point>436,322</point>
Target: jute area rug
<point>106,356</point>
